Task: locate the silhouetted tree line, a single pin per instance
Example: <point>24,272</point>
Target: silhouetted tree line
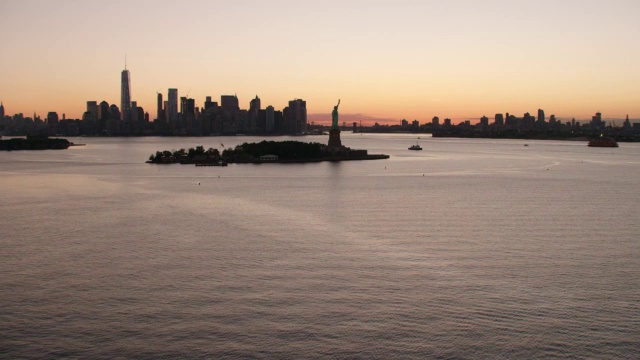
<point>197,153</point>
<point>34,143</point>
<point>246,152</point>
<point>285,150</point>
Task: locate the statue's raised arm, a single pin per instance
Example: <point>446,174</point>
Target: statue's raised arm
<point>338,103</point>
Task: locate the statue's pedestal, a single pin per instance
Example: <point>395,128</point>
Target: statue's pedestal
<point>334,140</point>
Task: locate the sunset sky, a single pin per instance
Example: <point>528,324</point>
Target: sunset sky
<point>386,60</point>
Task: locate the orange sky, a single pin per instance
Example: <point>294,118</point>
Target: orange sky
<point>385,60</point>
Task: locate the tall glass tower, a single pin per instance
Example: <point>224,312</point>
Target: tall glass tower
<point>125,95</point>
<point>172,119</point>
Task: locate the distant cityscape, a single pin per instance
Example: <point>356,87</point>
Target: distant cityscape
<point>180,116</point>
<point>512,127</point>
<point>176,115</point>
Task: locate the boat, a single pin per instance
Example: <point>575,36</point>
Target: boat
<point>415,147</point>
<point>603,142</point>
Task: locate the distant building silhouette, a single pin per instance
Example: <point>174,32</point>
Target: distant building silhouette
<point>159,110</point>
<point>125,95</point>
<point>52,122</point>
<point>229,103</point>
<point>138,119</point>
<point>296,117</point>
<point>187,122</point>
<point>254,116</point>
<point>92,108</point>
<point>254,105</point>
<point>161,119</point>
<point>1,111</point>
<point>498,120</point>
<point>269,119</point>
<point>528,121</point>
<point>103,117</point>
<point>208,104</point>
<point>113,126</point>
<point>131,127</point>
<point>541,118</point>
<point>172,109</point>
<point>627,124</point>
<point>89,123</point>
<point>596,121</point>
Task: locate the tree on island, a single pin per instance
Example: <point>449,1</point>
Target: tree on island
<point>246,152</point>
<point>285,150</point>
<point>198,152</point>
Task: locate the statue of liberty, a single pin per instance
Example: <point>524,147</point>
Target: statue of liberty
<point>334,116</point>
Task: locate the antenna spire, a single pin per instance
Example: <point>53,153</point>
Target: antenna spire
<point>125,61</point>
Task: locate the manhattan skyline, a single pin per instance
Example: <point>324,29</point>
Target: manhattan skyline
<point>390,61</point>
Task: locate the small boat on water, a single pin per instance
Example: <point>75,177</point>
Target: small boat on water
<point>415,147</point>
<point>603,142</point>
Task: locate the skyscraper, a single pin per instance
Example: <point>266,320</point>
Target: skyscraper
<point>254,105</point>
<point>254,114</point>
<point>52,122</point>
<point>1,111</point>
<point>92,107</point>
<point>114,112</point>
<point>125,95</point>
<point>161,120</point>
<point>270,119</point>
<point>172,108</point>
<point>229,103</point>
<point>541,118</point>
<point>296,119</point>
<point>208,104</point>
<point>160,110</point>
<point>103,117</point>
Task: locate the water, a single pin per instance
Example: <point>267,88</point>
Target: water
<point>470,249</point>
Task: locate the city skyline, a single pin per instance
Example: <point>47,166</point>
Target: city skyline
<point>410,60</point>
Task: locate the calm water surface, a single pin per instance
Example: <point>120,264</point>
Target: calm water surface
<point>470,249</point>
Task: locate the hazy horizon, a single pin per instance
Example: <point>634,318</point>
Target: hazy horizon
<point>387,61</point>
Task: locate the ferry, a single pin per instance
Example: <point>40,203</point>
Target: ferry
<point>603,142</point>
<point>415,147</point>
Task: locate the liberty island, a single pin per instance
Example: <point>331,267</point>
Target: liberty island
<point>269,151</point>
